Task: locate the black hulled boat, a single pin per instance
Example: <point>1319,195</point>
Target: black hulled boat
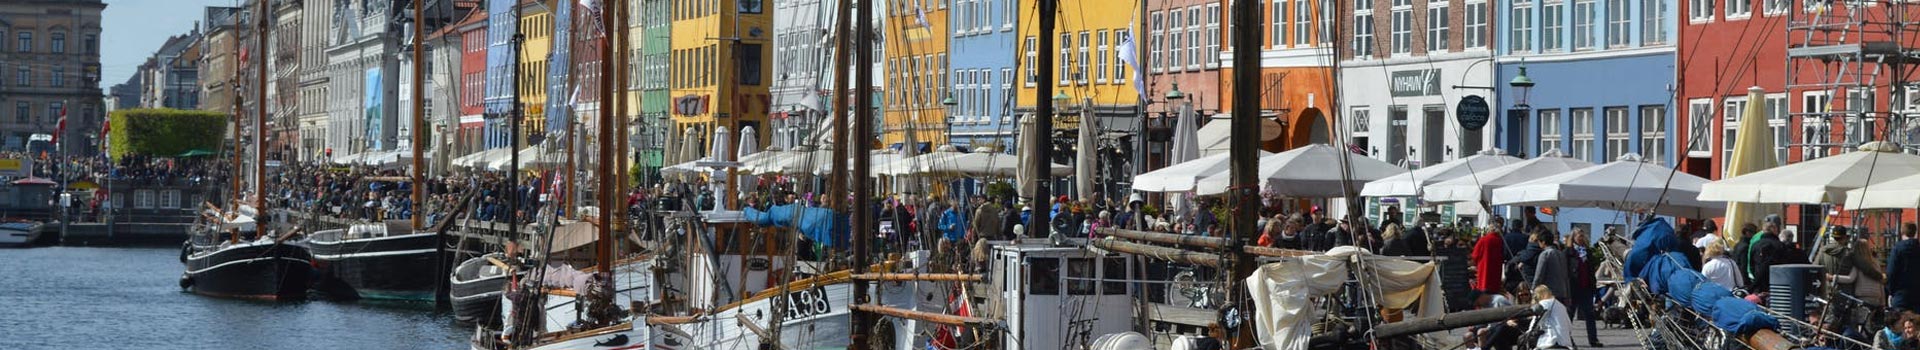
<point>259,269</point>
<point>387,261</point>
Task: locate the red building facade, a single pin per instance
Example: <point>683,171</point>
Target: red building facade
<point>473,82</point>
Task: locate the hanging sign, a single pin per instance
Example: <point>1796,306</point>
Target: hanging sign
<point>1472,112</point>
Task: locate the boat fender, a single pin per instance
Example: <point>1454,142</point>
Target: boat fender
<point>186,249</point>
<point>186,281</point>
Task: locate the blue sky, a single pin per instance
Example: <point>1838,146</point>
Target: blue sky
<point>133,29</point>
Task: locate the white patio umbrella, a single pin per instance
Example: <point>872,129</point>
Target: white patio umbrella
<point>798,161</point>
<point>1481,185</point>
<point>1824,180</point>
<point>1311,171</point>
<point>1024,181</point>
<point>1186,145</point>
<point>683,169</point>
<point>761,158</point>
<point>536,156</point>
<point>915,165</point>
<point>1627,183</point>
<point>476,158</point>
<point>1901,193</point>
<point>1409,184</point>
<point>1084,157</point>
<point>749,145</point>
<point>1181,177</point>
<point>985,163</point>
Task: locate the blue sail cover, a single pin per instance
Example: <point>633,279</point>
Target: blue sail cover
<point>1656,260</point>
<point>818,224</point>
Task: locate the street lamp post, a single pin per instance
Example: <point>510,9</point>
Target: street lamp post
<point>1522,86</point>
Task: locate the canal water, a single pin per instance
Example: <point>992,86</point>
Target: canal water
<point>106,298</point>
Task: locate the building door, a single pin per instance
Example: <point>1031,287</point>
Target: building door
<point>1433,130</point>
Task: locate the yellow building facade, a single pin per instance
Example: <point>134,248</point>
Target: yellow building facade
<point>916,72</point>
<point>536,23</point>
<point>720,66</point>
<point>1087,67</point>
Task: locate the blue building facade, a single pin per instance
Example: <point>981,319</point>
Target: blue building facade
<point>1604,78</point>
<point>502,25</point>
<point>981,72</point>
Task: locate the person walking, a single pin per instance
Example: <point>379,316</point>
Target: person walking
<point>986,220</point>
<point>1584,261</point>
<point>1552,267</point>
<point>1489,258</point>
<point>1903,294</point>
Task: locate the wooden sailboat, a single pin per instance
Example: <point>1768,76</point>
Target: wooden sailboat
<point>229,253</point>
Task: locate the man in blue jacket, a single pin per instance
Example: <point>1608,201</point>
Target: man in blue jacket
<point>1903,294</point>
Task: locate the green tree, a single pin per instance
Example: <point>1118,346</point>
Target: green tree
<point>165,132</point>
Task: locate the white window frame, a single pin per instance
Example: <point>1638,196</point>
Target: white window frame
<point>1619,131</point>
<point>1815,127</point>
<point>1363,38</point>
<point>1083,68</point>
<point>1400,30</point>
<point>1585,12</point>
<point>1065,61</point>
<point>1032,72</point>
<point>1196,25</point>
<point>1653,133</point>
<point>1731,110</point>
<point>1776,110</point>
<point>1100,57</point>
<point>1553,26</point>
<point>1326,23</point>
<point>1177,35</point>
<point>1619,23</point>
<point>1739,9</point>
<point>1702,11</point>
<point>1278,30</point>
<point>1212,51</point>
<point>1474,37</point>
<point>1302,23</point>
<point>1156,41</point>
<point>1006,89</point>
<point>1653,22</point>
<point>1581,120</point>
<point>1437,26</point>
<point>1520,32</point>
<point>1120,63</point>
<point>1552,136</point>
<point>1777,7</point>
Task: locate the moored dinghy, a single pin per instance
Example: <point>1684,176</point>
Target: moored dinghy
<point>476,285</point>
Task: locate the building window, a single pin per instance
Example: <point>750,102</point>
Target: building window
<point>1730,113</point>
<point>1653,134</point>
<point>1617,23</point>
<point>22,78</point>
<point>1194,29</point>
<point>26,42</point>
<point>1437,27</point>
<point>1033,74</point>
<point>1402,31</point>
<point>1619,136</point>
<point>1699,115</point>
<point>1155,43</point>
<point>1176,21</point>
<point>1302,21</point>
<point>1553,26</point>
<point>1006,88</point>
<point>1776,7</point>
<point>1550,133</point>
<point>1815,129</point>
<point>1653,22</point>
<point>1396,137</point>
<point>1326,24</point>
<point>1582,133</point>
<point>1279,27</point>
<point>1701,10</point>
<point>59,76</point>
<point>1739,8</point>
<point>55,110</point>
<point>59,42</point>
<point>1213,36</point>
<point>1776,109</point>
<point>1521,40</point>
<point>1475,35</point>
<point>1583,28</point>
<point>1066,59</point>
<point>1363,35</point>
<point>1081,69</point>
<point>23,112</point>
<point>1121,37</point>
<point>1100,57</point>
<point>1860,130</point>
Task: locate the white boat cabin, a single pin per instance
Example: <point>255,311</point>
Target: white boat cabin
<point>1061,297</point>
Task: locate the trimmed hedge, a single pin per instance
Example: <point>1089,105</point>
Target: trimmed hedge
<point>165,132</point>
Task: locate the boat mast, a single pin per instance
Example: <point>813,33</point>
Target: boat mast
<point>622,177</point>
<point>1042,153</point>
<point>260,113</point>
<point>603,249</point>
<point>233,86</point>
<point>513,142</point>
<point>1244,157</point>
<point>419,108</point>
<point>863,223</point>
<point>837,181</point>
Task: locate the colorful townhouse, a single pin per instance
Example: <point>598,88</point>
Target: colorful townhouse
<point>915,41</point>
<point>720,59</point>
<point>982,66</point>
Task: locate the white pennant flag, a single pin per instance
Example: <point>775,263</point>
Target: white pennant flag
<point>1127,51</point>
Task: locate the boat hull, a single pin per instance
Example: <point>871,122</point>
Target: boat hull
<point>19,234</point>
<point>475,287</point>
<point>257,271</point>
<point>403,267</point>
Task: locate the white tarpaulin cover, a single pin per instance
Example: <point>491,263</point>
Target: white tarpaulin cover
<point>1409,184</point>
<point>1480,186</point>
<point>1624,184</point>
<point>1283,309</point>
<point>1181,177</point>
<point>1901,193</point>
<point>1824,180</point>
<point>1311,171</point>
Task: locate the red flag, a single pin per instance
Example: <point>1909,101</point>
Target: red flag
<point>62,127</point>
<point>106,124</point>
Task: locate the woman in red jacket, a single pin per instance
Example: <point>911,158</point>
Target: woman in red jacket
<point>1489,261</point>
